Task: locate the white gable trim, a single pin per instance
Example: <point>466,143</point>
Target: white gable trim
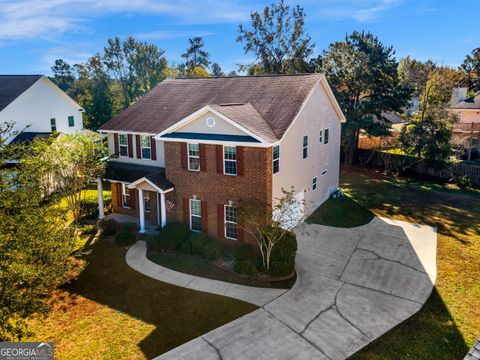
<point>217,142</point>
<point>144,179</point>
<point>59,91</point>
<point>190,118</point>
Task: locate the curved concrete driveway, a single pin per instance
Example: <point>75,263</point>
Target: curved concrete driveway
<point>353,285</point>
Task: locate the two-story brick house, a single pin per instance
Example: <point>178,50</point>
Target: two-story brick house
<point>191,149</point>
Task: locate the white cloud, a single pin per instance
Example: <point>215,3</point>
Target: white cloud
<point>359,10</point>
<point>171,34</point>
<point>23,19</point>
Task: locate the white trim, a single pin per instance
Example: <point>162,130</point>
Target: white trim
<point>236,160</point>
<point>142,147</point>
<point>141,211</point>
<point>304,146</point>
<point>61,92</point>
<point>120,145</point>
<point>190,214</point>
<point>273,159</point>
<point>124,193</point>
<point>188,157</point>
<point>203,110</point>
<point>217,142</point>
<point>333,99</point>
<point>136,182</point>
<point>230,222</point>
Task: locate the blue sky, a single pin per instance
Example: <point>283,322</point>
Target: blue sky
<point>33,33</point>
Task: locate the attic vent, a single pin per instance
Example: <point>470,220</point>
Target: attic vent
<point>210,121</point>
<point>231,104</point>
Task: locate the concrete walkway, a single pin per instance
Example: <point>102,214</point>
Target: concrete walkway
<point>353,285</point>
<point>137,259</point>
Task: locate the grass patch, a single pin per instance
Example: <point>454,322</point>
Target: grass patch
<point>195,265</point>
<point>114,312</point>
<point>343,212</point>
<point>448,324</point>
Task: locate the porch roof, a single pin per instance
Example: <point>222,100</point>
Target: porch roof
<point>129,173</point>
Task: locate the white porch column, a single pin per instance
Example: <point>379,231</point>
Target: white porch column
<point>163,210</point>
<point>141,210</point>
<point>101,213</point>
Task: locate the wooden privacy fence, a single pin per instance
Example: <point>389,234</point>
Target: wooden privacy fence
<point>397,161</point>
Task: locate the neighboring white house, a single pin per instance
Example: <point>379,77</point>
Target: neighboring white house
<point>37,107</point>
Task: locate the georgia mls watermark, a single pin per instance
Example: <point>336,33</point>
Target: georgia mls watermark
<point>26,350</point>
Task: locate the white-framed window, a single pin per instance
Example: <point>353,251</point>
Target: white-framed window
<point>305,147</point>
<point>276,159</point>
<point>326,135</point>
<point>194,157</point>
<point>123,144</point>
<point>320,137</point>
<point>147,201</point>
<point>146,147</point>
<point>53,124</point>
<point>230,160</point>
<point>231,229</point>
<point>195,215</point>
<point>314,183</point>
<point>126,203</point>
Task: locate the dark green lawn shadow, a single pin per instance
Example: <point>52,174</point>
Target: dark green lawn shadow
<point>178,314</point>
<point>429,334</point>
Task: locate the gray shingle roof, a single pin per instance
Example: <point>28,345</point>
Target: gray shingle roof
<point>269,103</point>
<point>126,172</point>
<point>474,353</point>
<point>472,103</point>
<point>12,86</point>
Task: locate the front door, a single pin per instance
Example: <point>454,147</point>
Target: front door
<point>147,203</point>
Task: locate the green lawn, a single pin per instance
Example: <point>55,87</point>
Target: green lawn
<point>195,265</point>
<point>449,322</point>
<point>341,212</point>
<point>114,312</point>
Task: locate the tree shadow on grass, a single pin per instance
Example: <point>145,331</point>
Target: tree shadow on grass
<point>178,314</point>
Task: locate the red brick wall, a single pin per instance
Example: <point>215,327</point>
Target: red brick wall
<point>215,188</point>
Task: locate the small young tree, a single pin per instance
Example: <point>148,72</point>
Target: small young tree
<point>69,163</point>
<point>270,224</point>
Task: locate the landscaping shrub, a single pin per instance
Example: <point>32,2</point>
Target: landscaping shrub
<point>198,242</point>
<point>125,237</point>
<point>173,235</point>
<point>282,260</point>
<point>88,230</point>
<point>245,267</point>
<point>107,226</point>
<point>211,250</point>
<point>89,209</point>
<point>244,252</point>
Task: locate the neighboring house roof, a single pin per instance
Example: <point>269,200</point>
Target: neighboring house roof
<point>474,353</point>
<point>392,117</point>
<point>28,137</point>
<point>265,105</point>
<point>471,103</point>
<point>129,173</point>
<point>12,86</point>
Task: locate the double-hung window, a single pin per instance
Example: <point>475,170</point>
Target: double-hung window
<point>305,147</point>
<point>231,222</point>
<point>230,160</point>
<point>71,121</point>
<point>326,136</point>
<point>195,215</point>
<point>123,144</point>
<point>194,157</point>
<point>53,124</point>
<point>126,203</point>
<point>146,147</point>
<point>314,183</point>
<point>276,159</point>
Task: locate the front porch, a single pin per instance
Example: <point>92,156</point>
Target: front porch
<point>150,227</point>
<point>138,194</point>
